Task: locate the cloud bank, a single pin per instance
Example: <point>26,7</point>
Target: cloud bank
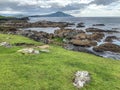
<point>75,7</point>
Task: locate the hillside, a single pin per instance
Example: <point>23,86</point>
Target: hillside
<point>54,70</point>
<point>56,14</point>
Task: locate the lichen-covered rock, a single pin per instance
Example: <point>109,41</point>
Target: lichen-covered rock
<point>81,78</point>
<point>29,51</point>
<point>5,44</point>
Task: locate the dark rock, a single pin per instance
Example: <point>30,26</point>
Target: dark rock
<point>107,47</point>
<point>98,30</point>
<point>110,38</point>
<point>80,25</point>
<point>23,44</point>
<point>98,24</point>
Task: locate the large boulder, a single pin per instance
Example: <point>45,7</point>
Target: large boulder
<point>83,43</point>
<point>81,78</point>
<point>110,38</point>
<point>80,25</point>
<point>107,47</point>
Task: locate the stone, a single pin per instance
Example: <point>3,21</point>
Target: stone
<point>43,47</point>
<point>80,25</point>
<point>84,43</point>
<point>107,47</point>
<point>29,51</point>
<point>110,38</point>
<point>98,24</point>
<point>99,30</point>
<point>5,44</point>
<point>81,78</point>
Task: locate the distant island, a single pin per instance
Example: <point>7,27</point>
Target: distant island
<point>56,14</point>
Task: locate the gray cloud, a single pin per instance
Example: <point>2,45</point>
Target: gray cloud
<point>47,6</point>
<point>103,2</point>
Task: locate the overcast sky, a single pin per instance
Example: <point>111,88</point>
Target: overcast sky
<point>74,7</point>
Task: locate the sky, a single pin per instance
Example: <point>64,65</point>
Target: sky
<point>78,8</point>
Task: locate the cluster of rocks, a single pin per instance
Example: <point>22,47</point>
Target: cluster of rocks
<point>25,24</point>
<point>81,79</point>
<point>77,38</point>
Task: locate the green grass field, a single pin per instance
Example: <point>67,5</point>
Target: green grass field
<point>54,70</point>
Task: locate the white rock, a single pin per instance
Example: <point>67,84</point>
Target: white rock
<point>81,78</point>
<point>29,51</point>
<point>5,44</point>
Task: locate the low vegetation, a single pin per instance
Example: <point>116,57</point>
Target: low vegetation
<point>54,70</point>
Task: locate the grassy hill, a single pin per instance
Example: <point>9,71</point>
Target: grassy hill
<point>54,70</point>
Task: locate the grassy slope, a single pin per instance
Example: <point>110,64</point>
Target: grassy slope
<point>55,70</point>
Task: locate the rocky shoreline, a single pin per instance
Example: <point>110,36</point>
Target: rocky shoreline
<point>92,40</point>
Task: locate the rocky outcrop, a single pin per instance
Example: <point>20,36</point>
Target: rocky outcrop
<point>107,47</point>
<point>67,33</point>
<point>99,30</point>
<point>83,43</point>
<point>95,36</point>
<point>110,38</point>
<point>81,79</point>
<point>23,24</point>
<point>9,30</point>
<point>80,25</point>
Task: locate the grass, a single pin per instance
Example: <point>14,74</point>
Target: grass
<point>54,70</point>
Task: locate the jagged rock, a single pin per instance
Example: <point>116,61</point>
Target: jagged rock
<point>5,44</point>
<point>84,43</point>
<point>81,78</point>
<point>80,25</point>
<point>110,38</point>
<point>107,47</point>
<point>29,51</point>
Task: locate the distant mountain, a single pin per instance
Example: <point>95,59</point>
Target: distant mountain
<point>56,14</point>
